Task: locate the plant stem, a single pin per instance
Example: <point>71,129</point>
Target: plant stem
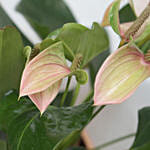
<point>75,95</point>
<point>65,92</point>
<point>114,141</point>
<point>97,111</point>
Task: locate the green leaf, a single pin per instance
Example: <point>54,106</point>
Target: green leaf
<point>142,140</point>
<point>11,59</point>
<point>28,130</point>
<point>46,43</point>
<point>5,21</point>
<point>95,64</point>
<point>126,14</point>
<point>45,16</point>
<point>81,40</point>
<point>3,145</point>
<point>10,108</point>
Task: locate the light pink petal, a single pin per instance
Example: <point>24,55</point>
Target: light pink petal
<point>125,26</point>
<point>120,75</point>
<point>44,70</point>
<point>44,98</point>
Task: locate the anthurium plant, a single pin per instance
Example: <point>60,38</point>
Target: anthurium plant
<point>34,113</point>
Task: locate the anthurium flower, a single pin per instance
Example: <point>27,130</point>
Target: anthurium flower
<point>120,75</point>
<point>42,76</point>
<point>111,17</point>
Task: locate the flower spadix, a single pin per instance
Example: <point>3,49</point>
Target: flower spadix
<point>42,76</point>
<point>120,75</point>
<point>127,28</point>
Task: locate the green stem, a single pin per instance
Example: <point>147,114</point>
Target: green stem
<point>97,111</point>
<point>76,93</point>
<point>114,141</point>
<point>65,92</point>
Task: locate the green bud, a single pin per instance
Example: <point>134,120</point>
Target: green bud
<point>27,53</point>
<point>81,76</point>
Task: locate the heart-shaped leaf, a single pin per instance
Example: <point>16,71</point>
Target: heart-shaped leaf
<point>81,40</point>
<point>47,131</point>
<point>10,108</point>
<point>28,130</point>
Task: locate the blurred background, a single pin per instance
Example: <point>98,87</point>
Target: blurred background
<point>115,120</point>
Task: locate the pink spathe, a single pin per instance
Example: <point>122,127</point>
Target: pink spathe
<point>42,76</point>
<point>120,75</point>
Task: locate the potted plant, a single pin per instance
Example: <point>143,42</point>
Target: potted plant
<point>35,114</point>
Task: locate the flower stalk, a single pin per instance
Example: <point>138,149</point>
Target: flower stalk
<point>65,92</point>
<point>76,93</point>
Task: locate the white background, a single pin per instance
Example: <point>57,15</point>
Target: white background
<point>115,120</point>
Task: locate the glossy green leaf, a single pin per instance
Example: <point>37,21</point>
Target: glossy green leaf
<point>81,40</point>
<point>5,21</point>
<point>45,16</point>
<point>10,108</point>
<point>142,140</point>
<point>46,132</point>
<point>11,59</point>
<point>126,14</point>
